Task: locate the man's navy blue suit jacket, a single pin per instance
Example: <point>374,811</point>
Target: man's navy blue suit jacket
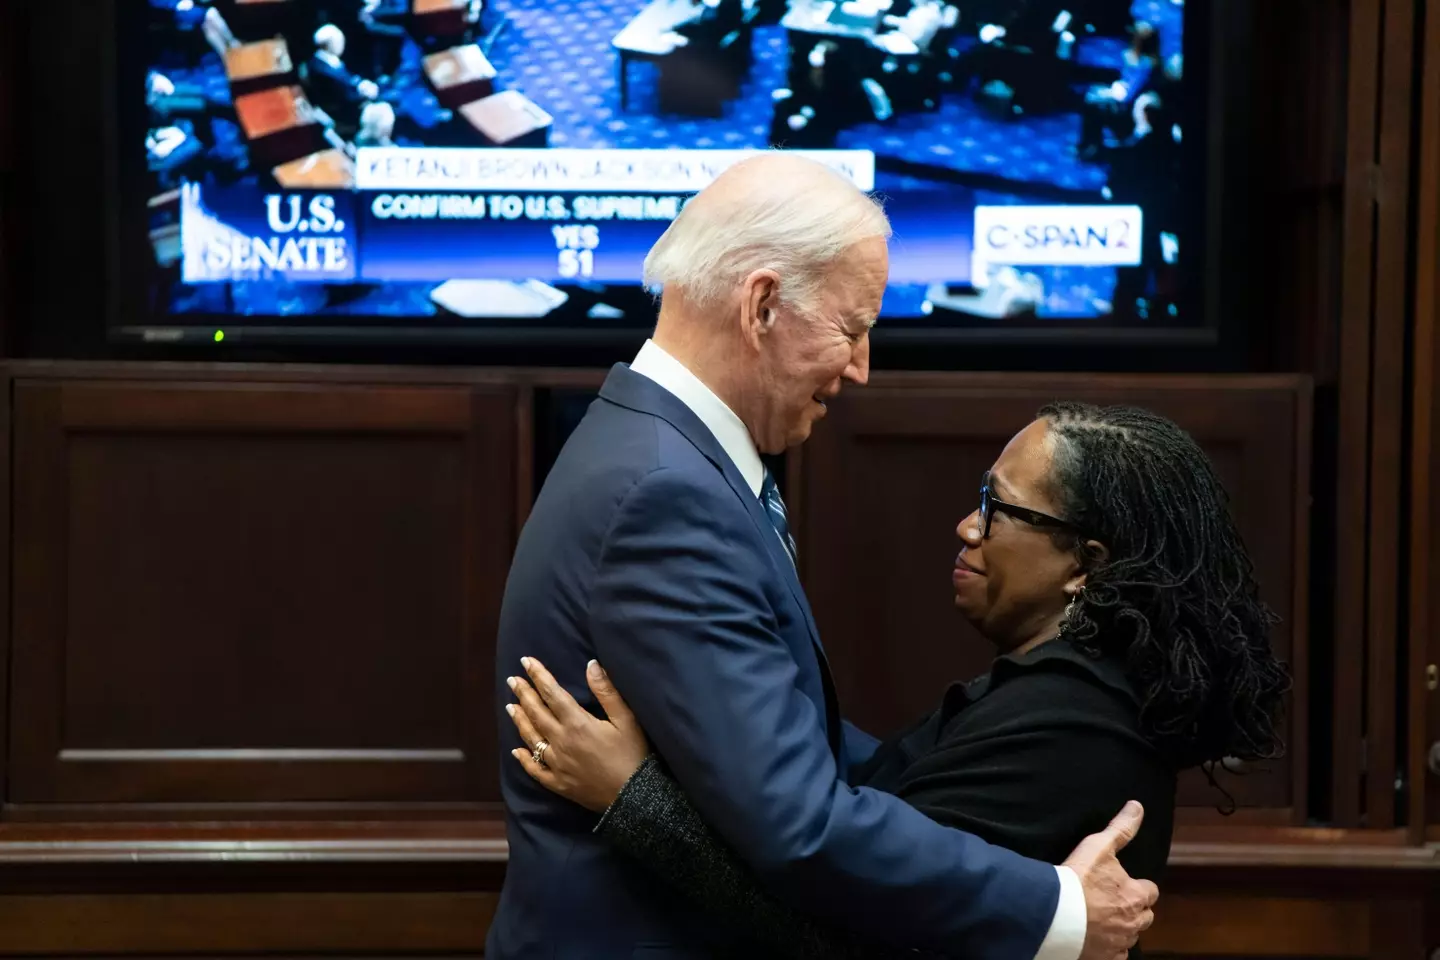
<point>647,550</point>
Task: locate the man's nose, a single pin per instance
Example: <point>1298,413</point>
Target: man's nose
<point>858,372</point>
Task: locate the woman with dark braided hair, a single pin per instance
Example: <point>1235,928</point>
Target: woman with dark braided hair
<point>1174,597</point>
<point>1104,565</point>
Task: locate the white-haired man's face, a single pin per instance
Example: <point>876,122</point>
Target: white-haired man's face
<point>332,40</point>
<point>806,358</point>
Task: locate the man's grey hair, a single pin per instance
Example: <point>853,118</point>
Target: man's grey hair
<point>795,217</point>
<point>330,37</point>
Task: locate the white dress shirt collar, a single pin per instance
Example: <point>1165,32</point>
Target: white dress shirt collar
<point>654,363</point>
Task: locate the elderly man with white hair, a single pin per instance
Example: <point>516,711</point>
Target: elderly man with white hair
<point>332,85</point>
<point>659,547</point>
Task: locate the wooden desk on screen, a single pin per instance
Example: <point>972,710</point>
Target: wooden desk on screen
<point>440,8</point>
<point>280,125</point>
<point>509,119</point>
<point>444,18</point>
<point>275,111</point>
<point>460,75</point>
<point>906,36</point>
<point>651,36</point>
<point>264,59</point>
<point>831,21</point>
<point>326,170</point>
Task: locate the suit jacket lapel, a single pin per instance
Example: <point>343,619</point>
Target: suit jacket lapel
<point>640,393</point>
<point>646,396</point>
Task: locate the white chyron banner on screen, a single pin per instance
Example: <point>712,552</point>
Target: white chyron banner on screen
<point>592,171</point>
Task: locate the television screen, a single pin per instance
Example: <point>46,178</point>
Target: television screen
<point>433,166</point>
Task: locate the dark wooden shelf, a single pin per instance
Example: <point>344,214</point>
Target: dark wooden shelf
<point>482,841</point>
<point>476,841</point>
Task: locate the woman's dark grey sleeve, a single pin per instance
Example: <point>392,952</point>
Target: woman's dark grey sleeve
<point>653,821</point>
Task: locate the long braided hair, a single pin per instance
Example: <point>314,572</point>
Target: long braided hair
<point>1174,594</point>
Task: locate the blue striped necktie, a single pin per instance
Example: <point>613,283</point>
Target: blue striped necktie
<point>775,510</point>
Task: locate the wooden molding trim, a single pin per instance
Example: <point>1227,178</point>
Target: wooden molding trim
<point>479,840</point>
<point>592,378</point>
<point>1186,926</point>
<point>454,922</point>
<point>1423,648</point>
<point>253,851</point>
<point>1304,856</point>
<point>246,923</point>
<point>483,841</point>
<point>150,373</point>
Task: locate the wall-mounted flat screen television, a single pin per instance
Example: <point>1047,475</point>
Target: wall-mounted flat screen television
<point>401,170</point>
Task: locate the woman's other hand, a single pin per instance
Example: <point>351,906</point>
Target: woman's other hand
<point>587,759</point>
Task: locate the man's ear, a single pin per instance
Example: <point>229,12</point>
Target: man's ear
<point>759,298</point>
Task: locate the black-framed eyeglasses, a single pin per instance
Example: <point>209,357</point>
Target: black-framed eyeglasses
<point>989,504</point>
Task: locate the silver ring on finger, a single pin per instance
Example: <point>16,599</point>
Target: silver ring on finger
<point>538,754</point>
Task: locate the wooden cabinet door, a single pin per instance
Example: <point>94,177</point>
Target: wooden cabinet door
<point>257,593</point>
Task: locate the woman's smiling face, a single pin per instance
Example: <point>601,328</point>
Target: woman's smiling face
<point>1013,584</point>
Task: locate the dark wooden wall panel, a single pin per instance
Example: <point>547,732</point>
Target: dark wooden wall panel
<point>258,592</point>
<point>153,512</point>
<point>883,483</point>
<point>1298,158</point>
<point>1352,434</point>
<point>1391,185</point>
<point>174,923</point>
<point>1423,638</point>
<point>10,139</point>
<point>1382,100</point>
<point>187,894</point>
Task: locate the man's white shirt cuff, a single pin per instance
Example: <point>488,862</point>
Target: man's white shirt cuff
<point>1067,931</point>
